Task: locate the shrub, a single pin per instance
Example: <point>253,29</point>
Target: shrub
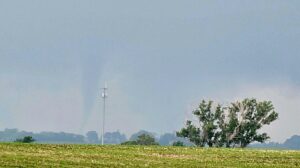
<point>178,143</point>
<point>143,139</point>
<point>26,139</point>
<point>129,143</point>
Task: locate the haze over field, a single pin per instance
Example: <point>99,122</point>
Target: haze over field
<point>159,58</point>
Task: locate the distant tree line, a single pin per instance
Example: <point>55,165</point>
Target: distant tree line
<point>291,143</point>
<point>233,125</point>
<point>10,135</point>
<point>91,137</point>
<point>167,139</point>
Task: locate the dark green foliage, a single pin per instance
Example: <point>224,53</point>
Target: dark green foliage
<point>192,133</point>
<point>230,126</point>
<point>178,143</point>
<point>135,136</point>
<point>143,139</point>
<point>207,133</point>
<point>247,117</point>
<point>26,139</point>
<point>129,143</point>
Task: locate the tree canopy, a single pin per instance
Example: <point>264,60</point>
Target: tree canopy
<point>143,139</point>
<point>234,125</point>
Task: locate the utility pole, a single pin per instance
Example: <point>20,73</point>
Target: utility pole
<point>104,96</point>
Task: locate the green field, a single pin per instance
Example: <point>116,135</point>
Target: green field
<point>41,155</point>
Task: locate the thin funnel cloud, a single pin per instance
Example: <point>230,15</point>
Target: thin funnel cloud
<point>92,62</point>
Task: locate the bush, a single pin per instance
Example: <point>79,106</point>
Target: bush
<point>146,139</point>
<point>143,139</point>
<point>178,143</point>
<point>129,143</point>
<point>26,139</point>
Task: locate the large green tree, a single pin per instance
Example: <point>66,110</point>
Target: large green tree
<point>235,125</point>
<point>246,118</point>
<point>207,132</point>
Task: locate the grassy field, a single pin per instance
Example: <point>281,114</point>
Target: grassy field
<point>41,155</point>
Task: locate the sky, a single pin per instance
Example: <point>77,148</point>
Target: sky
<point>159,59</point>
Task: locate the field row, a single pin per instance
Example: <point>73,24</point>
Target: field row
<point>42,155</point>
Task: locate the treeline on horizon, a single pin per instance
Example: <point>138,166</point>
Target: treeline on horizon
<point>91,137</point>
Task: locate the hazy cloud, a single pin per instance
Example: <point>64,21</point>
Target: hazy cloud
<point>159,58</point>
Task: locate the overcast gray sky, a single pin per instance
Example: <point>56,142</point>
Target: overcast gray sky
<point>159,58</point>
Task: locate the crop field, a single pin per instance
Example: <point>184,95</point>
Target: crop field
<point>44,155</point>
